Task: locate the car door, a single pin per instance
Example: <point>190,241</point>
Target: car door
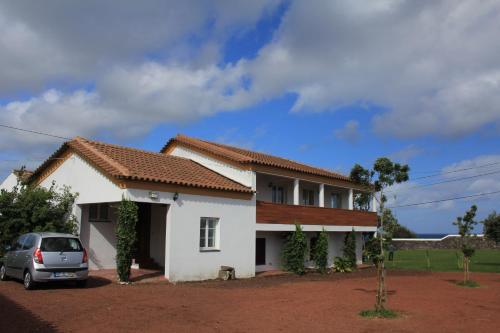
<point>24,256</point>
<point>12,264</point>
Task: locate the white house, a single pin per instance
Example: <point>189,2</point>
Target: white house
<point>202,204</point>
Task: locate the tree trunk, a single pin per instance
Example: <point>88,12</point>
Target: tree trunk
<point>381,297</point>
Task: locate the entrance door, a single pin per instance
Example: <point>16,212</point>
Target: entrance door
<point>260,251</point>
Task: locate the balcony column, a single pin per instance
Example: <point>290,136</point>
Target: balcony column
<point>296,192</point>
<point>322,195</point>
<point>351,199</point>
<point>374,203</point>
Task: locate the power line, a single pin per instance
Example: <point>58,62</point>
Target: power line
<point>449,181</point>
<point>456,170</point>
<point>449,199</point>
<point>35,132</point>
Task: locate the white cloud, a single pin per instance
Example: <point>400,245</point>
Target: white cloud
<point>482,176</point>
<point>349,133</point>
<point>433,65</point>
<point>407,153</point>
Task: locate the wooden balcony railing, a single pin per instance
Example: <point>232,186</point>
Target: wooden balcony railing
<point>272,213</point>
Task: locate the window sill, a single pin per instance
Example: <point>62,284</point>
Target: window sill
<point>209,250</point>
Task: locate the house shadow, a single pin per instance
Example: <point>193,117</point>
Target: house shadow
<point>16,318</point>
<point>151,275</point>
<point>92,282</point>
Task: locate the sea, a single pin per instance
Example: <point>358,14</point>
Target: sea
<point>431,235</point>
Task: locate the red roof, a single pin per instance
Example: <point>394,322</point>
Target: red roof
<point>244,156</point>
<point>135,164</point>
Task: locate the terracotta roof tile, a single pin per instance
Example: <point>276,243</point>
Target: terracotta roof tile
<point>245,156</point>
<point>135,164</point>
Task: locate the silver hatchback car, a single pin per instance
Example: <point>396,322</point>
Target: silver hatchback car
<point>44,257</point>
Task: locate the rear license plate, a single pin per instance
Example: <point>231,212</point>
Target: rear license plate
<point>64,275</point>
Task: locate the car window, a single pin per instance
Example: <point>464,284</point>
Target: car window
<point>18,244</point>
<point>61,244</point>
<point>29,242</point>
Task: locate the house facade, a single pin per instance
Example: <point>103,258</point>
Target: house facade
<point>203,204</point>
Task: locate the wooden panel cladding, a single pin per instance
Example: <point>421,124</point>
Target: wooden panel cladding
<point>308,215</point>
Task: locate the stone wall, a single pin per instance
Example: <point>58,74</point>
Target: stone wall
<point>448,242</point>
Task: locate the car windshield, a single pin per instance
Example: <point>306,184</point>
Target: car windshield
<point>60,244</point>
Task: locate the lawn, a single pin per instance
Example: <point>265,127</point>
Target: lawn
<point>445,260</point>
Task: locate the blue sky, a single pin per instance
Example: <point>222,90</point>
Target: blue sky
<point>334,84</point>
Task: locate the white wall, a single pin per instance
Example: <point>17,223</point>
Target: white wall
<point>184,261</point>
<point>276,240</point>
<point>265,193</point>
<point>91,184</point>
<point>99,239</point>
<point>9,182</point>
<point>158,233</point>
<point>245,177</point>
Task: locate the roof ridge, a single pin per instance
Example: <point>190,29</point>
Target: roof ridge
<point>270,155</point>
<point>88,145</point>
<point>243,157</point>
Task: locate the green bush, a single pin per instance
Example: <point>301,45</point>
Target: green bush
<point>350,248</point>
<point>294,251</point>
<point>125,238</point>
<point>32,208</point>
<point>321,252</point>
<point>342,265</point>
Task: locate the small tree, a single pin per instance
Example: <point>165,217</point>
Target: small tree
<point>320,254</point>
<point>125,238</point>
<point>385,173</point>
<point>491,227</point>
<point>393,228</point>
<point>29,208</point>
<point>294,252</point>
<point>465,226</point>
<point>350,248</point>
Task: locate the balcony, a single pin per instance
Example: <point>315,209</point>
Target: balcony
<point>272,213</point>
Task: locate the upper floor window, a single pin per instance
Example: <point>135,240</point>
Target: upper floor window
<point>279,194</point>
<point>209,233</point>
<point>335,200</point>
<point>308,197</point>
<point>99,212</point>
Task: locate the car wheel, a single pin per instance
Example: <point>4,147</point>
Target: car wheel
<point>28,282</point>
<point>3,273</point>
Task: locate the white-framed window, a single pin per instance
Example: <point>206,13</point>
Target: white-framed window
<point>99,212</point>
<point>209,233</point>
<point>335,200</point>
<point>279,194</point>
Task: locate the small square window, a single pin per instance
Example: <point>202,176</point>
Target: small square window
<point>99,212</point>
<point>209,233</point>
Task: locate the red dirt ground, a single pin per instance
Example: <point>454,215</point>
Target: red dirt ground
<point>429,302</point>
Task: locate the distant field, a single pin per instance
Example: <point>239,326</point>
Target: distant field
<point>445,260</point>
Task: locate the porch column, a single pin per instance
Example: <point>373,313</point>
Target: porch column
<point>374,203</point>
<point>322,195</point>
<point>351,199</point>
<point>296,192</point>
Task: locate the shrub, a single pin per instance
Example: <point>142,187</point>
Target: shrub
<point>294,252</point>
<point>342,265</point>
<point>350,248</point>
<point>491,228</point>
<point>321,252</point>
<point>32,208</point>
<point>125,238</point>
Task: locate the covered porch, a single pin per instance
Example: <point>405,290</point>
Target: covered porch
<point>97,231</point>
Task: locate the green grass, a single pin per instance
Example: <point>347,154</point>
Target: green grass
<point>386,313</point>
<point>445,260</point>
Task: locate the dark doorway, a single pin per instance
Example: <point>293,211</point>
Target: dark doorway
<point>143,229</point>
<point>260,251</point>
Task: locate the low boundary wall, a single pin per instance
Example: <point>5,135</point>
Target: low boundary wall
<point>447,242</point>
